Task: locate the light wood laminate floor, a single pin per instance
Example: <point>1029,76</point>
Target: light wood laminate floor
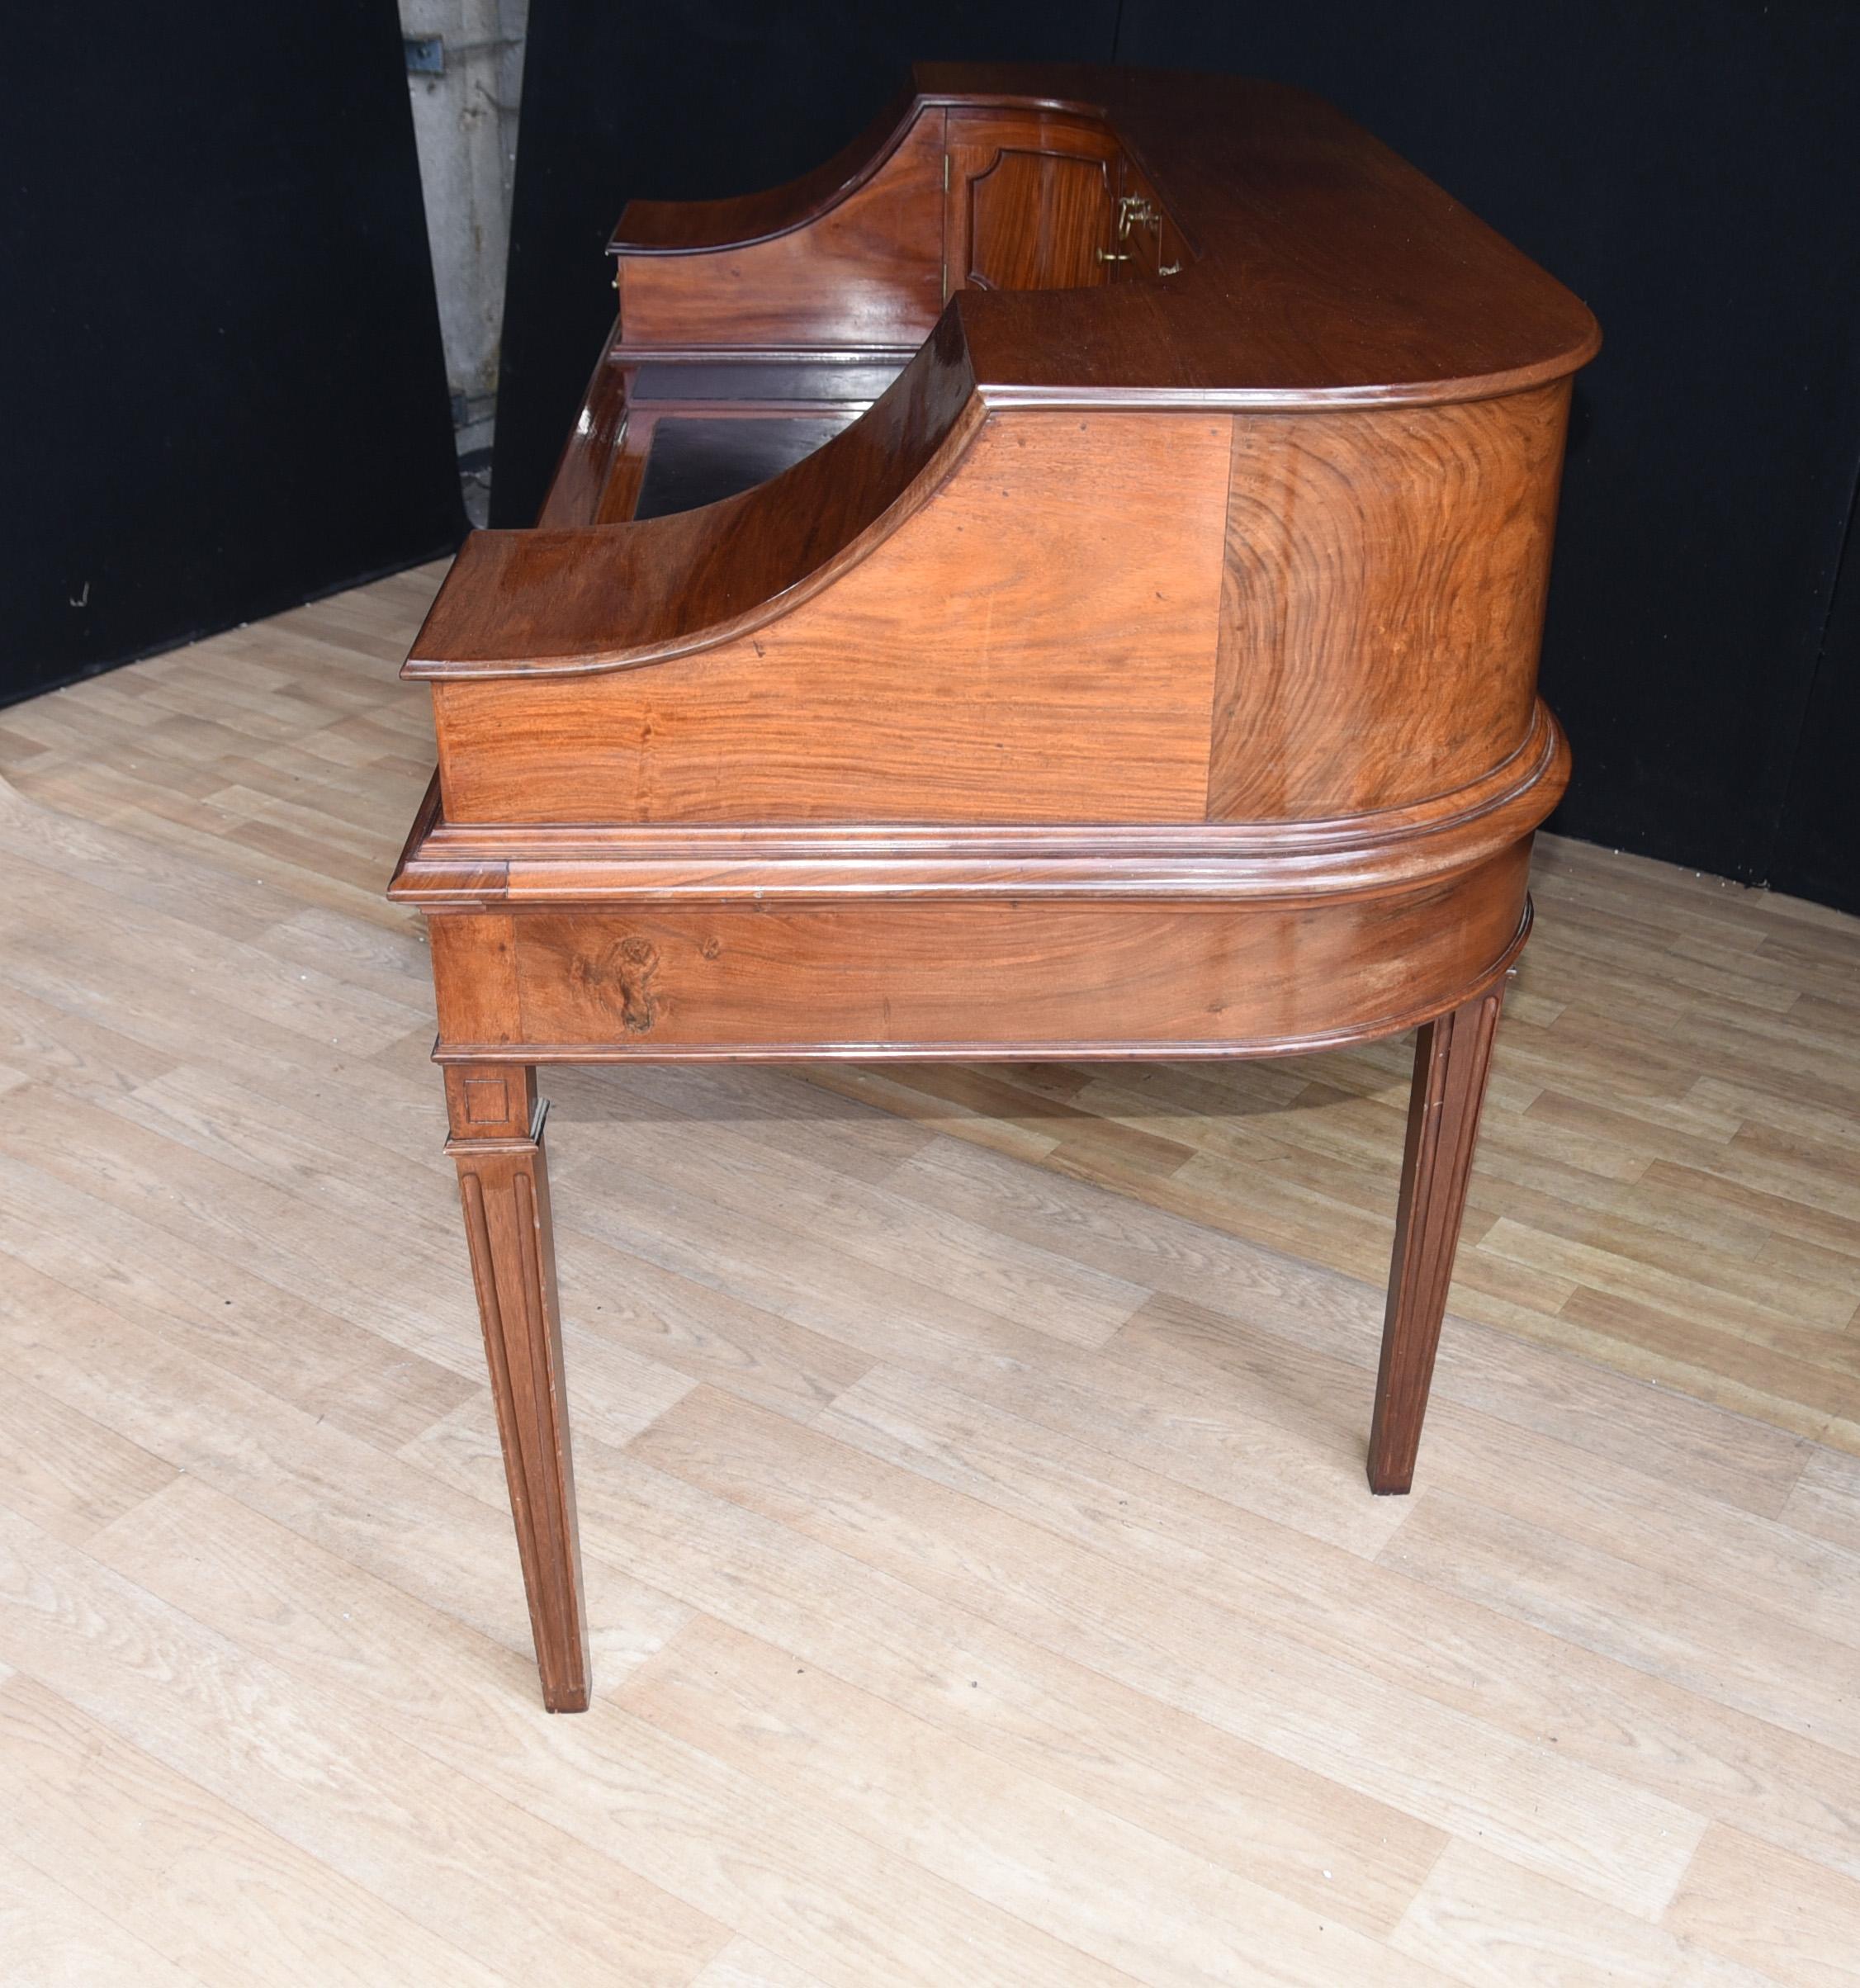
<point>985,1587</point>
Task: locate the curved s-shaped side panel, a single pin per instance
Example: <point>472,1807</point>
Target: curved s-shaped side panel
<point>601,597</point>
<point>850,255</point>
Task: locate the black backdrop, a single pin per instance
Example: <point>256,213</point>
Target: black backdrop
<point>1689,169</point>
<point>226,386</point>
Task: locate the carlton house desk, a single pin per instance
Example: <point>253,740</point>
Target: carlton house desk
<point>1063,580</point>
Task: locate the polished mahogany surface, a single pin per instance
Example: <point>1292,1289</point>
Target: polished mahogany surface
<point>1322,267</point>
<point>1115,634</point>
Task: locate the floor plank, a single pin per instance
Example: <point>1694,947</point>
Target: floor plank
<point>982,1584</point>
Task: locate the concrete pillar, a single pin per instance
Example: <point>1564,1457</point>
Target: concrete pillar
<point>465,92</point>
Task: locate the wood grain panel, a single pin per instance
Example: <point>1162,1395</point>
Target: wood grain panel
<point>866,272</point>
<point>1065,583</point>
<point>871,979</point>
<point>474,977</point>
<point>1037,221</point>
<point>1382,604</point>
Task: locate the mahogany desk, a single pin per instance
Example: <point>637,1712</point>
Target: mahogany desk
<point>1108,626</point>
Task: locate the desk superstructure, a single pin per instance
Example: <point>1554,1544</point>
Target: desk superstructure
<point>1063,579</point>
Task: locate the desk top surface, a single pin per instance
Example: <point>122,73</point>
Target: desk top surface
<point>1324,268</point>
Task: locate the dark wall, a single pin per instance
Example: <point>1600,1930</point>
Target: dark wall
<point>1688,169</point>
<point>1818,850</point>
<point>226,386</point>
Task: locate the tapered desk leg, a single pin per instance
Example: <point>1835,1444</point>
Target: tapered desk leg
<point>504,1182</point>
<point>1452,1056</point>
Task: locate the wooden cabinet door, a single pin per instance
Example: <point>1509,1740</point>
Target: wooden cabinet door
<point>1032,202</point>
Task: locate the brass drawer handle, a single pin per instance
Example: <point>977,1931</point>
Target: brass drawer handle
<point>1106,255</point>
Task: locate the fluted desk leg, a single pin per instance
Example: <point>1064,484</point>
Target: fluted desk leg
<point>504,1183</point>
<point>1452,1056</point>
